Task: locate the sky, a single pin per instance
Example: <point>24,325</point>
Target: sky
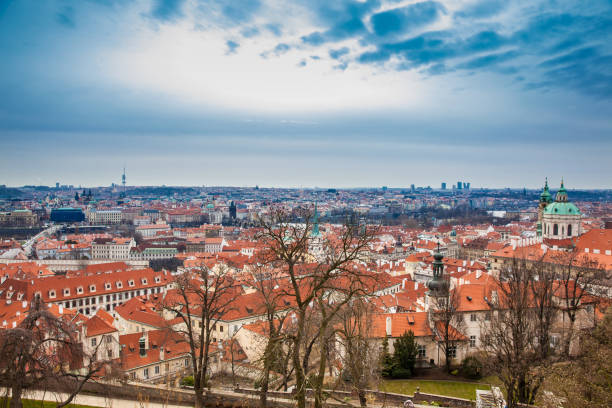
<point>305,93</point>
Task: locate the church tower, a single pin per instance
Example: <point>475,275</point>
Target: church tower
<point>315,243</point>
<point>545,199</point>
<point>439,285</point>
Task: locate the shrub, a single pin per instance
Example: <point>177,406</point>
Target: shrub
<point>188,381</point>
<point>400,373</point>
<point>471,367</point>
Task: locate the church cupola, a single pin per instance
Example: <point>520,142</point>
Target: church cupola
<point>561,196</point>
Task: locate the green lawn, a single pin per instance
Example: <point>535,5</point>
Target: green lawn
<point>457,389</point>
<point>48,404</point>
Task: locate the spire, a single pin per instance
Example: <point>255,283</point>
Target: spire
<point>315,221</point>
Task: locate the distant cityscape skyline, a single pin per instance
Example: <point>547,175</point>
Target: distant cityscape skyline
<point>440,186</point>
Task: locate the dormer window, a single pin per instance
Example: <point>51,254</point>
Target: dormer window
<point>80,290</point>
<point>131,283</point>
<point>107,286</point>
<point>144,281</point>
<point>52,293</point>
<point>66,292</point>
<point>119,284</point>
<point>157,279</point>
<point>92,288</point>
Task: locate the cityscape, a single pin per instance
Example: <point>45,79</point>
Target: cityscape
<point>274,204</point>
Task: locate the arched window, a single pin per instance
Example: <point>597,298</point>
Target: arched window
<point>563,230</point>
<point>555,229</point>
<point>569,230</point>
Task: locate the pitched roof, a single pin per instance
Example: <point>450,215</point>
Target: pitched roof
<point>173,343</point>
<point>96,326</point>
<point>140,309</point>
<point>400,323</point>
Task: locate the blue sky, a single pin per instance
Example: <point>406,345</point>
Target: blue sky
<point>297,93</point>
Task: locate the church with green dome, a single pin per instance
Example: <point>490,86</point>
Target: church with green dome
<point>559,219</point>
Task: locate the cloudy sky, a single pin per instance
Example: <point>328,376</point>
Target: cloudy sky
<point>297,93</point>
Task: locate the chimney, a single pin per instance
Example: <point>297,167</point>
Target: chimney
<point>61,309</point>
<point>388,328</point>
<point>403,283</point>
<point>478,274</point>
<point>416,285</point>
<point>24,304</point>
<point>162,355</point>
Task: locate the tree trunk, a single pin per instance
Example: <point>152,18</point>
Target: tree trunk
<point>318,386</point>
<point>300,379</point>
<point>363,402</point>
<point>199,397</point>
<point>265,381</point>
<point>16,391</point>
<point>570,334</point>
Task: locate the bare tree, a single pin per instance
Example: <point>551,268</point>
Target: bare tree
<point>360,357</point>
<point>202,297</point>
<point>578,274</point>
<point>329,303</point>
<point>288,247</point>
<point>586,380</point>
<point>510,337</point>
<point>44,351</point>
<point>542,288</point>
<point>267,280</point>
<point>447,323</point>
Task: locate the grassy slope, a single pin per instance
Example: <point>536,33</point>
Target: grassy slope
<point>48,404</point>
<point>457,389</point>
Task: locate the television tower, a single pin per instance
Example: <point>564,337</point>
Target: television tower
<point>123,180</point>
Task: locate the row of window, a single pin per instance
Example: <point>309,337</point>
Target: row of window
<point>109,298</point>
<point>474,318</point>
<point>107,286</point>
<point>555,229</point>
<point>156,370</point>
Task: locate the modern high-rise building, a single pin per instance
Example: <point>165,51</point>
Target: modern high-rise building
<point>459,185</point>
<point>443,186</point>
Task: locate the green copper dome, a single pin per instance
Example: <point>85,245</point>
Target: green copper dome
<point>562,208</point>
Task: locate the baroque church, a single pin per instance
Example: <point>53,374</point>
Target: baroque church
<point>559,219</point>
